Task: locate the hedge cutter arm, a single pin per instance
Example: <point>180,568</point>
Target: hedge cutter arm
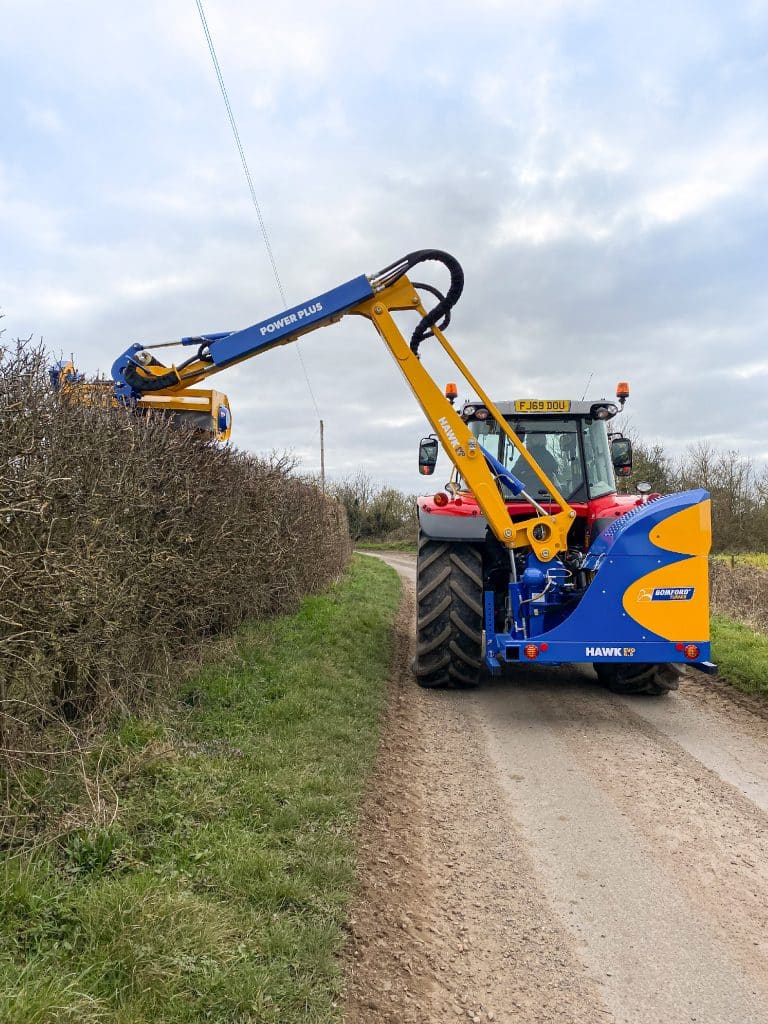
<point>140,378</point>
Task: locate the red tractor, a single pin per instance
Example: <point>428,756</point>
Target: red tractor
<point>462,567</point>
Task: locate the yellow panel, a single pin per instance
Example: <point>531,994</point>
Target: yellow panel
<point>688,532</point>
<point>673,619</point>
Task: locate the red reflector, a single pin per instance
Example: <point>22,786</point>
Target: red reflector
<point>544,647</point>
<point>440,499</point>
<point>691,651</point>
<point>531,651</point>
<point>680,647</point>
<point>457,501</point>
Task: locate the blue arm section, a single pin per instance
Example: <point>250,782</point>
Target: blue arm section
<point>508,479</point>
<point>248,342</point>
<point>228,347</point>
<point>198,338</point>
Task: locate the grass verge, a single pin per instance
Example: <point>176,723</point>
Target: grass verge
<point>219,892</point>
<point>741,654</point>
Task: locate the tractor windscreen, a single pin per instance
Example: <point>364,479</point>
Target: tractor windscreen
<point>562,447</point>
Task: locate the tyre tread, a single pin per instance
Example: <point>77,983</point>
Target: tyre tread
<point>449,630</point>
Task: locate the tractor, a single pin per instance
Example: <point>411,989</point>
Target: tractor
<point>528,554</point>
<point>461,564</point>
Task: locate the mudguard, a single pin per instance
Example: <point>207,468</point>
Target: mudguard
<point>452,527</point>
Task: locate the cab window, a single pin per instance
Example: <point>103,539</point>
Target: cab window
<point>553,443</point>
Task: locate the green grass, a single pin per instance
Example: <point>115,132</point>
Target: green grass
<point>387,545</point>
<point>219,893</point>
<point>757,558</point>
<point>741,655</point>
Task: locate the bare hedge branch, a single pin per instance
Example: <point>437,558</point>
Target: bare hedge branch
<point>125,542</point>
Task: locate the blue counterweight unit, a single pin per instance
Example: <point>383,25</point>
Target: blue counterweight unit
<point>647,601</point>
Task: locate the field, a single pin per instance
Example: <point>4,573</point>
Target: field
<point>741,654</point>
<point>388,545</point>
<point>739,591</point>
<point>757,559</point>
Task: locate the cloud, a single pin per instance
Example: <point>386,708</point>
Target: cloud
<point>599,170</point>
<point>45,118</point>
<point>22,216</point>
<point>748,371</point>
<point>728,169</point>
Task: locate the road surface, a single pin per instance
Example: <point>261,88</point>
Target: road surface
<point>542,850</point>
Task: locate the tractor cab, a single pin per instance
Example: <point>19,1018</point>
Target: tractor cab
<point>572,443</point>
<point>568,439</point>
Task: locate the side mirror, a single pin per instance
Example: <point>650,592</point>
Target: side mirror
<point>428,448</point>
<point>621,455</point>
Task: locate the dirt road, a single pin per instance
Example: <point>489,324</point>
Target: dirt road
<point>541,850</point>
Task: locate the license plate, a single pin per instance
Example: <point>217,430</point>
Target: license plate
<point>543,405</point>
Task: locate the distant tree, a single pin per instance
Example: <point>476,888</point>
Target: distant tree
<point>375,512</point>
<point>652,465</point>
<point>737,507</point>
<point>739,492</point>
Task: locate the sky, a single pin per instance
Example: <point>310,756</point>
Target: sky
<point>600,170</point>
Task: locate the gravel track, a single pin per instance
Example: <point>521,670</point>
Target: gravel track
<point>541,850</point>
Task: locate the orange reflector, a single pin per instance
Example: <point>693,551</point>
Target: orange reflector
<point>440,499</point>
<point>531,651</point>
<point>451,391</point>
<point>691,651</point>
<point>622,389</point>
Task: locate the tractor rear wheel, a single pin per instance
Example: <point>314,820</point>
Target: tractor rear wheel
<point>449,617</point>
<point>641,680</point>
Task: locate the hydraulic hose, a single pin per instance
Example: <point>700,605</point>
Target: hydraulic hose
<point>421,287</point>
<point>145,382</point>
<point>439,316</point>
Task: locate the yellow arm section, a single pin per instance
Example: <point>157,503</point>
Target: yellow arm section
<point>547,536</point>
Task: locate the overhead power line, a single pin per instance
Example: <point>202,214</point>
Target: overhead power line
<point>251,189</point>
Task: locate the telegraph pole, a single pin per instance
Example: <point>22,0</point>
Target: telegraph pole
<point>322,459</point>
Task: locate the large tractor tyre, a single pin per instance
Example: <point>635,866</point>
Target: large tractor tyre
<point>640,680</point>
<point>449,617</point>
